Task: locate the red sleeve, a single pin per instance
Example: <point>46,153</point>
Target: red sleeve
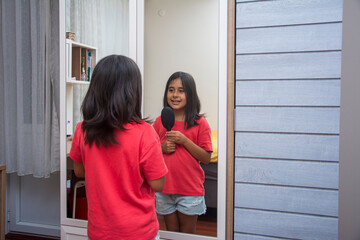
<point>151,159</point>
<point>157,124</point>
<point>204,136</point>
<point>159,129</point>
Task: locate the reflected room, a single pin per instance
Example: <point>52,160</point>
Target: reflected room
<point>183,36</point>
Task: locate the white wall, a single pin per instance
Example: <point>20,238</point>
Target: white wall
<point>181,36</point>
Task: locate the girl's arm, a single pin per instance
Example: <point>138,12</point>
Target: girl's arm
<point>157,184</point>
<point>196,151</point>
<point>79,169</point>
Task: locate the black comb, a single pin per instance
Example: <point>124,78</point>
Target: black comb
<point>167,118</point>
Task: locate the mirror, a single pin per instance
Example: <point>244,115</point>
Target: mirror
<point>183,36</point>
<point>178,36</point>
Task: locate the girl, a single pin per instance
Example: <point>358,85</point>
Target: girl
<point>119,154</point>
<point>184,147</point>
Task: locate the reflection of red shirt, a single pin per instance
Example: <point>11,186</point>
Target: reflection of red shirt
<point>185,175</point>
<point>121,204</point>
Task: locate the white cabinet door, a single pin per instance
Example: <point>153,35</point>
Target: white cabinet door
<point>73,233</point>
<point>33,204</point>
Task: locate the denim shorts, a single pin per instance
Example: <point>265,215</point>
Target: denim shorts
<point>188,205</point>
<point>157,237</point>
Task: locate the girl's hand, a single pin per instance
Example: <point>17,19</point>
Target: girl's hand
<point>176,137</point>
<point>197,152</point>
<point>168,146</point>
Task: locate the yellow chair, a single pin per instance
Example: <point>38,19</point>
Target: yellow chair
<point>214,141</point>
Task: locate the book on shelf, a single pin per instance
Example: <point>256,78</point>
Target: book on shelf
<point>88,64</point>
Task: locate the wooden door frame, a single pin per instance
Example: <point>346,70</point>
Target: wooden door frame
<point>230,160</point>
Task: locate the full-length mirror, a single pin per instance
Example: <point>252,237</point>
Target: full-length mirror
<point>183,36</point>
<point>177,36</point>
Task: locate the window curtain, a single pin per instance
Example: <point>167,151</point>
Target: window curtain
<point>103,24</point>
<point>29,87</point>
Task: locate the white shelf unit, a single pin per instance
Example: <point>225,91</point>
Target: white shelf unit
<point>76,53</point>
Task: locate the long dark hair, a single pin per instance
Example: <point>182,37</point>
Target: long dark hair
<point>112,100</point>
<point>192,108</point>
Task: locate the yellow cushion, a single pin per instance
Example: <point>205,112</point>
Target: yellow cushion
<point>214,141</point>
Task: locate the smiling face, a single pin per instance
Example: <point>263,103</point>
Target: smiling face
<point>176,96</point>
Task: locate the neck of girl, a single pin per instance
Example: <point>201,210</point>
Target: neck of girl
<point>179,115</point>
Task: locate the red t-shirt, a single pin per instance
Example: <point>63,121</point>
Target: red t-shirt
<point>121,204</point>
<point>185,174</point>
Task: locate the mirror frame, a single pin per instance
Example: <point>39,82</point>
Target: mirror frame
<point>225,116</point>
